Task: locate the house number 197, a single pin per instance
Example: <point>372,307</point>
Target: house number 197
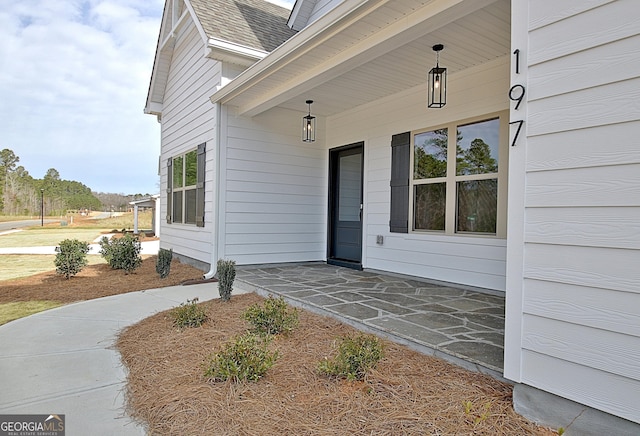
<point>516,93</point>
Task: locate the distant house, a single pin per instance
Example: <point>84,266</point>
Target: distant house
<point>527,181</point>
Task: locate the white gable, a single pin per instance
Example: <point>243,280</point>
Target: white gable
<point>306,12</point>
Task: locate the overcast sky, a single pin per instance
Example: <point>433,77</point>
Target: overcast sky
<point>74,77</point>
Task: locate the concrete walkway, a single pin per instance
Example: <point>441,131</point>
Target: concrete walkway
<point>63,361</point>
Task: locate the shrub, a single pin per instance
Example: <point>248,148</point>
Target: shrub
<point>163,262</point>
<point>226,276</point>
<point>71,257</point>
<point>246,358</point>
<point>122,253</point>
<point>356,355</point>
<point>272,319</point>
<point>106,249</point>
<point>189,314</point>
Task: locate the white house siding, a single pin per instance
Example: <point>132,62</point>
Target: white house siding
<point>322,7</point>
<point>188,119</point>
<point>581,286</point>
<point>275,195</point>
<point>470,260</point>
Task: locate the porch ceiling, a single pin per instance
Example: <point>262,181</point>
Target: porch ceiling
<point>375,49</point>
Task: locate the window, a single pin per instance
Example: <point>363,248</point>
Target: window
<point>185,187</point>
<point>451,184</point>
<point>455,178</point>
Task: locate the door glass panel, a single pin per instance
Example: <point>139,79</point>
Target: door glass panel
<point>349,188</point>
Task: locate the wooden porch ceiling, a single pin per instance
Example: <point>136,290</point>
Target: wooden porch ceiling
<point>378,49</point>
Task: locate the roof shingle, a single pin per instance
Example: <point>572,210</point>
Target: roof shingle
<point>252,23</point>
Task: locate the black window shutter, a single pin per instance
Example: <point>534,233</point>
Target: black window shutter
<point>400,160</point>
<point>200,185</point>
<point>169,185</point>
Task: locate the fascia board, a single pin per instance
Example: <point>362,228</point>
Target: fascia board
<point>156,60</point>
<point>194,17</point>
<point>236,50</point>
<point>292,22</point>
<point>162,46</point>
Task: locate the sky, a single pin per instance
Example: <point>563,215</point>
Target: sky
<point>74,76</point>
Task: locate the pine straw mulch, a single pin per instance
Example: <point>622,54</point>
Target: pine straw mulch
<point>94,281</point>
<point>408,393</point>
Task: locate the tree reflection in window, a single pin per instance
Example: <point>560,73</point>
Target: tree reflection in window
<point>477,148</point>
<point>430,160</point>
<point>477,206</point>
<point>477,200</point>
<point>474,185</point>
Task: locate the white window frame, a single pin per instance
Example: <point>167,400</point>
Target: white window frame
<point>451,178</point>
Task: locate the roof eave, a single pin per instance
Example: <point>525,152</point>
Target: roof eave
<point>300,43</point>
<point>227,51</point>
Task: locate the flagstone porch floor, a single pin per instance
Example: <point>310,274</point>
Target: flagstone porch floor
<point>460,324</point>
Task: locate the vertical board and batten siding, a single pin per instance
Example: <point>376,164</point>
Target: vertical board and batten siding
<point>188,119</point>
<point>275,195</point>
<point>470,260</point>
<point>581,289</point>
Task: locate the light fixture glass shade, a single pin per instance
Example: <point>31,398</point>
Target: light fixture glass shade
<point>309,126</point>
<point>437,95</point>
<point>437,87</point>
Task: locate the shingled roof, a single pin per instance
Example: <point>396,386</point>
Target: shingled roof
<point>252,23</point>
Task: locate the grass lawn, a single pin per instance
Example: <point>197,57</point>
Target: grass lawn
<point>23,265</point>
<point>122,221</point>
<point>12,311</point>
<point>47,236</point>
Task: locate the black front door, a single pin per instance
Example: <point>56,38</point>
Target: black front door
<point>345,206</point>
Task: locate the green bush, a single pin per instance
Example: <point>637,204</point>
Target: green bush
<point>272,319</point>
<point>106,249</point>
<point>356,355</point>
<point>246,358</point>
<point>71,257</point>
<point>189,314</point>
<point>122,253</point>
<point>226,276</point>
<point>163,262</point>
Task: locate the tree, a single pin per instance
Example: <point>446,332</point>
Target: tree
<point>8,161</point>
<point>52,175</point>
<point>477,159</point>
<point>430,159</point>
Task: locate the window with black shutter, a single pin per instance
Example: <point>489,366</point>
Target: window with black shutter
<point>400,166</point>
<point>185,187</point>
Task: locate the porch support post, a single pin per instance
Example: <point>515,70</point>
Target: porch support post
<point>135,219</point>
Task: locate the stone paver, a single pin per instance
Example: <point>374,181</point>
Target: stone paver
<point>463,323</point>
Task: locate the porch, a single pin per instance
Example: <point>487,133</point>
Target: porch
<point>460,324</point>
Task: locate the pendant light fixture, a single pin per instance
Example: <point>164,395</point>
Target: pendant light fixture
<point>309,125</point>
<point>437,96</point>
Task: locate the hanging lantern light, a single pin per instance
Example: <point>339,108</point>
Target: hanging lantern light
<point>309,126</point>
<point>437,82</point>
